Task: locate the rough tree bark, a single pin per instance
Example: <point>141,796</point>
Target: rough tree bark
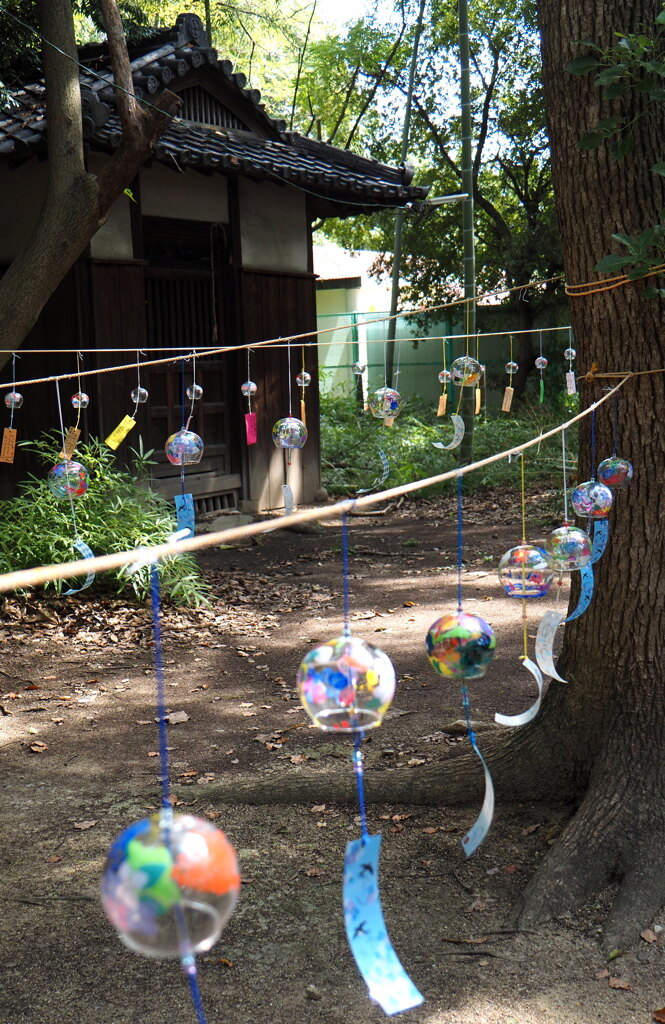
<point>77,203</point>
<point>599,741</point>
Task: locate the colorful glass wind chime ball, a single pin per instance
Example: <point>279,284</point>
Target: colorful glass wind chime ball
<point>445,377</point>
<point>194,392</point>
<point>346,685</point>
<point>289,432</point>
<point>541,362</point>
<point>592,500</point>
<point>13,400</point>
<point>80,400</point>
<point>460,646</point>
<point>304,379</point>
<point>511,368</point>
<point>169,881</point>
<point>615,472</point>
<point>359,368</point>
<point>525,571</point>
<point>139,395</point>
<point>569,354</point>
<point>386,403</point>
<point>466,371</point>
<point>568,548</point>
<point>184,448</point>
<point>68,479</point>
<point>248,389</point>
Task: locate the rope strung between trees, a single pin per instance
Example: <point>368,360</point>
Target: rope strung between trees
<point>102,563</point>
<point>270,342</point>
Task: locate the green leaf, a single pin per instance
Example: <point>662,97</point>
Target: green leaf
<point>582,65</point>
<point>660,20</point>
<point>617,89</point>
<point>622,147</point>
<point>591,141</point>
<point>658,169</point>
<point>611,263</point>
<point>130,195</point>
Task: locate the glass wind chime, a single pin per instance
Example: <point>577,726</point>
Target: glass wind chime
<point>445,377</point>
<point>525,572</point>
<point>185,448</point>
<point>386,402</point>
<point>289,433</point>
<point>139,396</point>
<point>461,646</point>
<point>347,685</point>
<point>248,389</point>
<point>171,881</point>
<point>13,401</point>
<point>67,480</point>
<point>511,369</point>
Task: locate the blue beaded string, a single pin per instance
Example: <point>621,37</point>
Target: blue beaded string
<point>187,960</point>
<point>459,543</point>
<point>359,736</point>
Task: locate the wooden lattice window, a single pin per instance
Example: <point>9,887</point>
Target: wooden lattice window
<point>202,107</point>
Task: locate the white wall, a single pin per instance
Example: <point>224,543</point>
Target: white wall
<point>274,233</point>
<point>113,241</point>
<point>186,196</point>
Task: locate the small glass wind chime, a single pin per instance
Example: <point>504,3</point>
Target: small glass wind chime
<point>185,448</point>
<point>171,881</point>
<point>386,402</point>
<point>569,355</point>
<point>248,389</point>
<point>541,364</point>
<point>139,396</point>
<point>347,686</point>
<point>511,369</point>
<point>303,380</point>
<point>67,480</point>
<point>289,433</point>
<point>13,401</point>
<point>525,572</point>
<point>461,646</point>
<point>445,377</point>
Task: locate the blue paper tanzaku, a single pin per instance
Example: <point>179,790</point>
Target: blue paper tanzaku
<point>388,983</point>
<point>84,550</point>
<point>184,507</point>
<point>601,532</point>
<point>587,580</point>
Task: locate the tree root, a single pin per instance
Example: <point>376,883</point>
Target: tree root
<point>604,842</point>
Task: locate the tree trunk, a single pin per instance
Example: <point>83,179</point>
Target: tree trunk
<point>77,203</point>
<point>599,741</point>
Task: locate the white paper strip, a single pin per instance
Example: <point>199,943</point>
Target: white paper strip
<point>526,716</point>
<point>549,624</point>
<point>458,424</point>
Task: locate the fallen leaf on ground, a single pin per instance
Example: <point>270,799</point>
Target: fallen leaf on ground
<point>659,1015</point>
<point>38,747</point>
<point>83,825</point>
<point>648,935</point>
<point>530,829</point>
<point>317,808</point>
<point>53,860</point>
<point>298,759</point>
<point>177,717</point>
<point>32,686</point>
<point>510,869</point>
<point>409,604</point>
<point>478,905</point>
<point>153,753</point>
<point>603,973</point>
<point>313,872</point>
<point>413,761</point>
<point>213,815</point>
<point>430,830</point>
<point>619,983</point>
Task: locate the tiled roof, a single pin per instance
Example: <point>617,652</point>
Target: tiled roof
<point>340,181</point>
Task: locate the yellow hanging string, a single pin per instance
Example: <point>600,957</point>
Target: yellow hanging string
<point>303,411</point>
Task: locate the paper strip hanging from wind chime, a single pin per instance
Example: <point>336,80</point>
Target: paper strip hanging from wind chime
<point>347,686</point>
<point>461,646</point>
<point>13,400</point>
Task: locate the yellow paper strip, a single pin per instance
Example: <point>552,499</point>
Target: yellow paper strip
<point>507,399</point>
<point>71,440</point>
<point>303,411</point>
<point>478,400</point>
<point>8,445</point>
<point>389,420</point>
<point>120,433</point>
<point>443,402</point>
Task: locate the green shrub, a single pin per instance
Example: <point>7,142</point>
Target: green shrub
<point>117,513</point>
<point>351,441</point>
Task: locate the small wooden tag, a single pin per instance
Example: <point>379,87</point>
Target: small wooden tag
<point>8,445</point>
<point>389,420</point>
<point>571,383</point>
<point>507,399</point>
<point>443,402</point>
<point>120,433</point>
<point>71,440</point>
<point>303,411</point>
<point>478,400</point>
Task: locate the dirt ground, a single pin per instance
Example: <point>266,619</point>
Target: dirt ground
<point>79,764</point>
